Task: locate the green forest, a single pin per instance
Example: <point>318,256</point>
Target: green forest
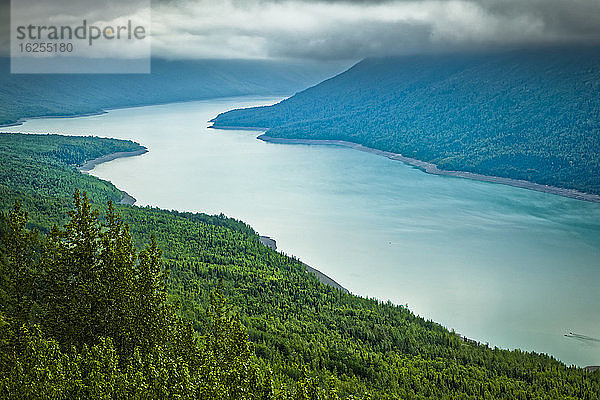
<point>114,301</point>
<point>532,115</point>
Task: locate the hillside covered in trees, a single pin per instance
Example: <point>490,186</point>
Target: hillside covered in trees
<point>532,115</point>
<point>38,95</point>
<point>93,308</point>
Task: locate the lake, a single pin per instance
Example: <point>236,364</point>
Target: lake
<point>508,266</point>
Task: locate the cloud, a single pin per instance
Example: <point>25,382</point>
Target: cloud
<point>336,29</point>
<point>353,29</point>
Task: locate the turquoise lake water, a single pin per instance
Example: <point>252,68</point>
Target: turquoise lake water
<point>508,266</point>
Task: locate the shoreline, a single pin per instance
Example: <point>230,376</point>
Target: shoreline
<point>324,278</point>
<point>433,169</point>
<point>126,198</point>
<point>89,165</point>
<point>271,243</point>
<point>242,128</point>
<point>22,120</point>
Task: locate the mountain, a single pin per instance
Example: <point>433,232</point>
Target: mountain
<point>36,95</point>
<point>522,114</point>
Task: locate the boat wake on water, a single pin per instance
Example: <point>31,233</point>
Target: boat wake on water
<point>582,337</point>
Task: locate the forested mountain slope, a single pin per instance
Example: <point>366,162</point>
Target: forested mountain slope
<point>36,95</point>
<point>532,115</point>
<point>293,337</point>
<point>47,164</point>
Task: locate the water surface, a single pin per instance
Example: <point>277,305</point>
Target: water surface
<point>504,265</point>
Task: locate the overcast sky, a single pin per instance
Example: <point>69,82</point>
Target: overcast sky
<point>346,30</point>
<point>356,29</point>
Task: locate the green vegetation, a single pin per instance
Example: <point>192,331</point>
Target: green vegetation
<point>95,310</point>
<point>532,115</point>
<point>84,315</point>
<point>46,164</point>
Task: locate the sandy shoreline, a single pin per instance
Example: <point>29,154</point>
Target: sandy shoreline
<point>324,278</point>
<point>89,165</point>
<point>127,198</point>
<point>272,244</point>
<point>431,168</point>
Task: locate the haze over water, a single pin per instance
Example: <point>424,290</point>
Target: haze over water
<point>509,266</point>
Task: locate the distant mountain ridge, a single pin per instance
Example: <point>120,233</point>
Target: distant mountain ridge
<point>38,95</point>
<point>525,114</point>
